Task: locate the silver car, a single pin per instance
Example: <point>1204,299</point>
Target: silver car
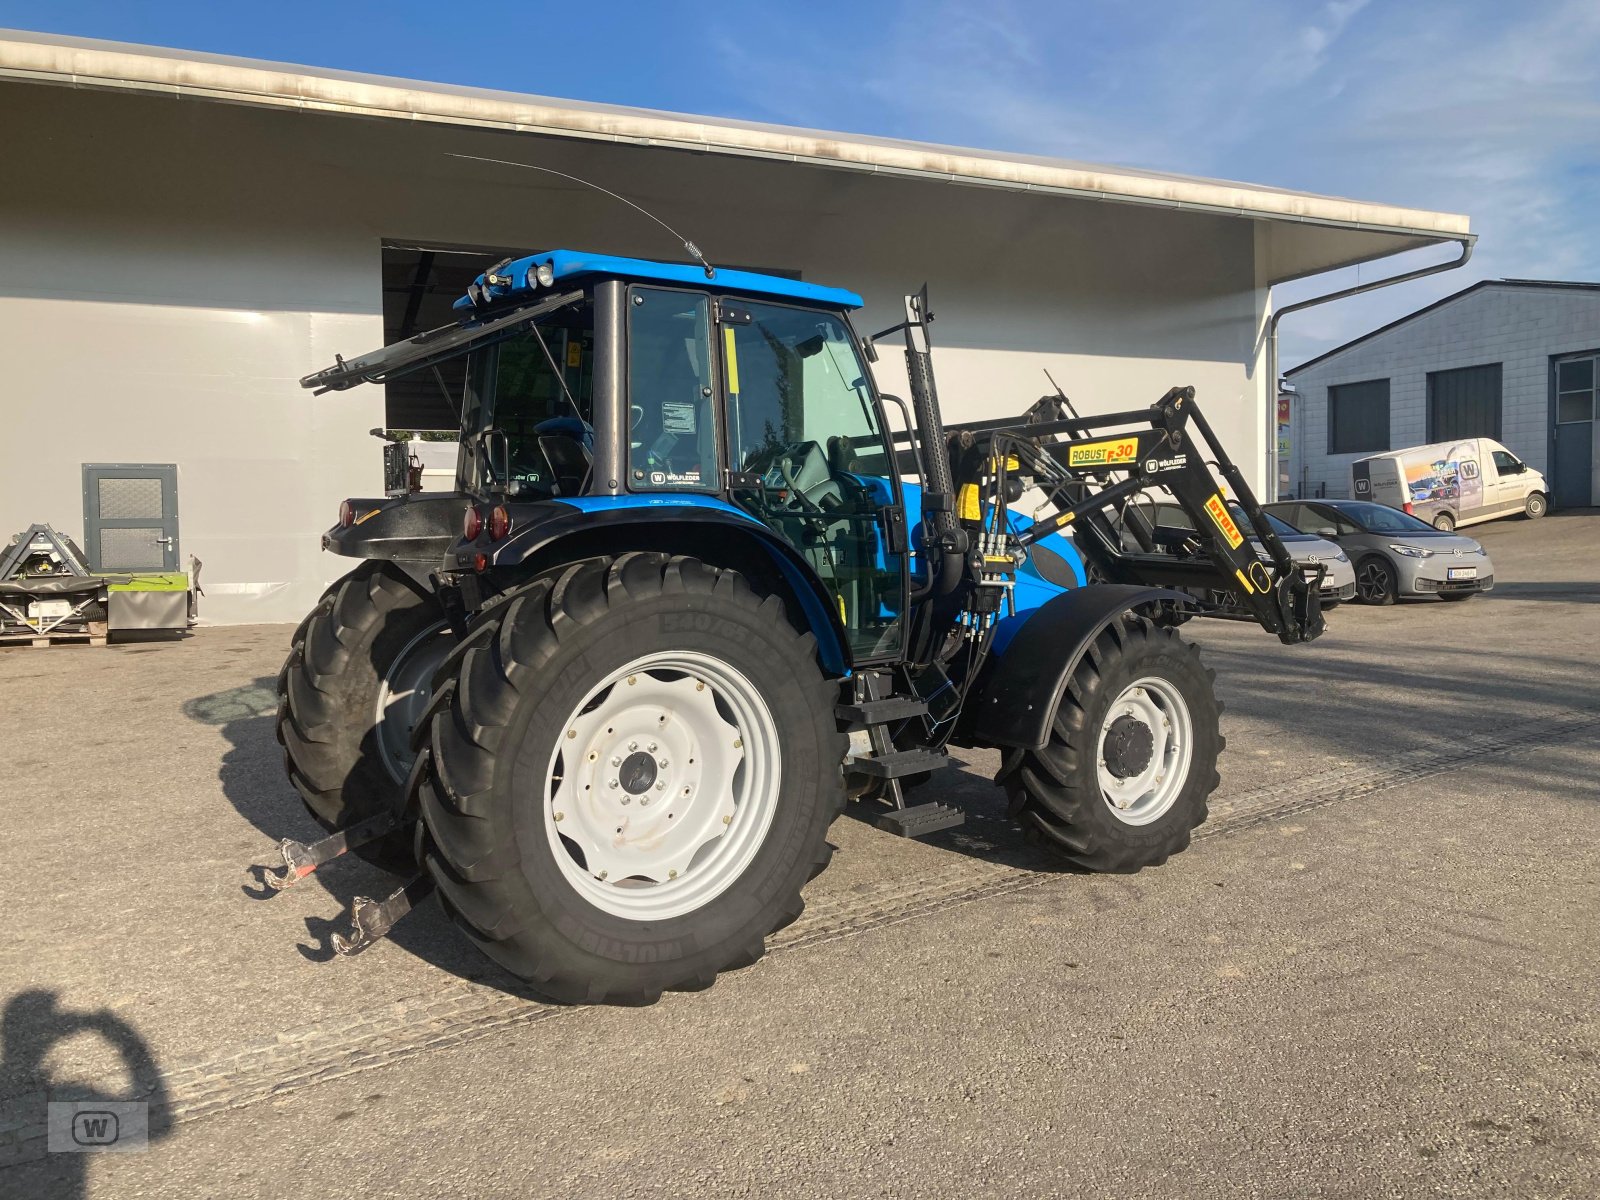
<point>1394,554</point>
<point>1307,550</point>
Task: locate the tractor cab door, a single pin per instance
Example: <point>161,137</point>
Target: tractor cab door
<point>809,458</point>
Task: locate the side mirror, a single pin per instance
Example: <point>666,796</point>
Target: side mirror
<point>1327,531</point>
<point>1519,468</point>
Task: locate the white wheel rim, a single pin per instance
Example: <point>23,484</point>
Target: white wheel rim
<point>1145,793</point>
<point>650,843</point>
<point>405,692</point>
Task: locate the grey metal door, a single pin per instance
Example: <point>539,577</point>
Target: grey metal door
<point>1573,418</point>
<point>130,516</point>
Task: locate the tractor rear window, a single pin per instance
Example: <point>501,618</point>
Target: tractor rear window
<point>537,388</point>
<point>672,441</point>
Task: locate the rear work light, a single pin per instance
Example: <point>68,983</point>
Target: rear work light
<point>347,513</point>
<point>499,523</point>
<point>472,523</point>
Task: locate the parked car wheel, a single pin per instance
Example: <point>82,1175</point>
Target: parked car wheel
<point>1375,580</point>
<point>1536,505</point>
<point>1445,523</point>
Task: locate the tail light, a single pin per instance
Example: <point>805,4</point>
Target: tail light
<point>1409,513</point>
<point>499,523</point>
<point>472,523</point>
<point>347,514</point>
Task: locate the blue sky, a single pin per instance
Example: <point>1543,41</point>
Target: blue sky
<point>1478,106</point>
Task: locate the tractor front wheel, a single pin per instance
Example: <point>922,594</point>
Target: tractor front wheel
<point>1132,754</point>
<point>358,676</point>
<point>631,778</point>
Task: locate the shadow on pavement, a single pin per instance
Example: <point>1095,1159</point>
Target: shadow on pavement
<point>31,1025</point>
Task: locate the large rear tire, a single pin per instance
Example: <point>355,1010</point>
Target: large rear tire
<point>358,675</point>
<point>1132,755</point>
<point>631,778</point>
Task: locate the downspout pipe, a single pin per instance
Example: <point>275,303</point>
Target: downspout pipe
<point>1466,243</point>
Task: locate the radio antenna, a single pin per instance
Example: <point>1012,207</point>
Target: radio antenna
<point>694,251</point>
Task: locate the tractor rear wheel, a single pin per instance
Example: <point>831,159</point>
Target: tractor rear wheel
<point>630,779</point>
<point>1132,754</point>
<point>358,675</point>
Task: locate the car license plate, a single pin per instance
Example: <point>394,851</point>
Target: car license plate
<point>44,610</point>
<point>1462,572</point>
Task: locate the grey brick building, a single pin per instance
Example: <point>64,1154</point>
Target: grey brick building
<point>1511,359</point>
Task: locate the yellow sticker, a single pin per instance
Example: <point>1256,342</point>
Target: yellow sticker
<point>1244,581</point>
<point>1104,454</point>
<point>733,365</point>
<point>574,354</point>
<point>368,516</point>
<point>1065,517</point>
<point>967,506</point>
<point>1219,515</point>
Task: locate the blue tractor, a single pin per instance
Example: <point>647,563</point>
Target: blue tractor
<point>695,592</point>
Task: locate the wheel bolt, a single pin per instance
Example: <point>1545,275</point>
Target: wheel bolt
<point>560,815</point>
<point>699,685</point>
<point>665,764</point>
<point>651,747</point>
<point>632,679</point>
<point>672,874</point>
<point>661,785</point>
<point>602,875</point>
<point>616,760</point>
<point>572,733</point>
<point>633,745</point>
<point>626,799</point>
<point>615,783</point>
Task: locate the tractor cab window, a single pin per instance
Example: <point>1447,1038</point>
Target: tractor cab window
<point>672,439</point>
<point>811,460</point>
<point>536,388</point>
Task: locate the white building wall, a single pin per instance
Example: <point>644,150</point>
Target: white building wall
<point>1520,327</point>
<point>169,269</point>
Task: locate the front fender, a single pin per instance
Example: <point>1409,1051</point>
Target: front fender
<point>418,528</point>
<point>1035,653</point>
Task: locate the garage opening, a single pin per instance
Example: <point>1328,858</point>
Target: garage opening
<point>420,283</point>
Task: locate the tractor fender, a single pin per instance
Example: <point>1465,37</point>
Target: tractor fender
<point>1035,653</point>
<point>554,530</point>
<point>417,528</point>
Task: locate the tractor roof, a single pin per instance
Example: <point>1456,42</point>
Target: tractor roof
<point>514,280</point>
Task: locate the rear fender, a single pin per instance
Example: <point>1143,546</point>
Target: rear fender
<point>1035,653</point>
<point>553,531</point>
<point>418,528</point>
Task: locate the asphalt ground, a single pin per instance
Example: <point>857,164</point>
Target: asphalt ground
<point>1374,973</point>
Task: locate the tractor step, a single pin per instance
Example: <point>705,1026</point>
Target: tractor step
<point>920,819</point>
<point>866,713</point>
<point>899,764</point>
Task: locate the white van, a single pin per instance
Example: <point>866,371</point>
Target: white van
<point>1452,483</point>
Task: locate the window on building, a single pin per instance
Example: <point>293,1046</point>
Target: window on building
<point>1358,417</point>
<point>1464,403</point>
<point>1575,380</point>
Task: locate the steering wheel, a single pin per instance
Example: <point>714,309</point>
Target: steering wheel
<point>787,460</point>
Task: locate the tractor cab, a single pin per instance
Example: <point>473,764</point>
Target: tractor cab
<point>647,390</point>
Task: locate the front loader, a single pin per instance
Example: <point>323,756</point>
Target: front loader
<point>693,594</point>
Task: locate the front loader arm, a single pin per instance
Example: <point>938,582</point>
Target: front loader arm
<point>1090,478</point>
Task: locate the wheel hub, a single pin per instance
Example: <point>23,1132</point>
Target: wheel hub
<point>1130,744</point>
<point>638,773</point>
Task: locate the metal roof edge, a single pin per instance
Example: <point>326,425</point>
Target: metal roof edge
<point>1542,284</point>
<point>103,65</point>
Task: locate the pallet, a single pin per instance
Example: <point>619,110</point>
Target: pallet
<point>93,635</point>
